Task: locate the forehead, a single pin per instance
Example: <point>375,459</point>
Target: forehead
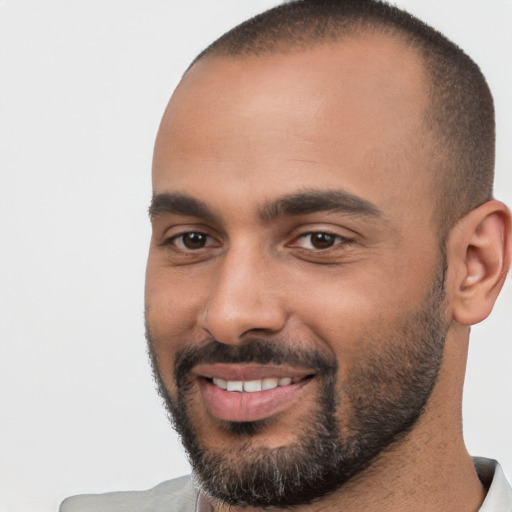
<point>347,114</point>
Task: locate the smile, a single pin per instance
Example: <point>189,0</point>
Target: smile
<point>234,392</point>
<point>253,386</point>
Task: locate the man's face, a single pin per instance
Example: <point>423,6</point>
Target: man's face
<point>294,262</point>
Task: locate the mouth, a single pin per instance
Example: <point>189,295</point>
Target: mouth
<point>254,386</point>
<point>242,393</point>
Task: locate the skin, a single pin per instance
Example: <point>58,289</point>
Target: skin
<point>239,133</point>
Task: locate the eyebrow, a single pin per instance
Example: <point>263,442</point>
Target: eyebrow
<point>301,203</point>
<point>311,201</point>
<point>178,204</point>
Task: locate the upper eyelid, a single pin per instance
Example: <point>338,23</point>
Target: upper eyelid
<point>181,235</point>
<point>295,234</point>
<point>183,229</point>
<point>309,233</point>
<point>347,234</point>
<point>188,232</point>
<point>167,238</point>
<point>326,231</point>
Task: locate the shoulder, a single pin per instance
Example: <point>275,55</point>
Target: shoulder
<point>178,495</point>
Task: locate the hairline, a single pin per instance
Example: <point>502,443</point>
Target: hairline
<point>358,31</point>
<point>458,124</point>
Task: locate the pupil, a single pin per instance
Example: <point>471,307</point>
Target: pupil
<point>194,240</point>
<point>322,240</point>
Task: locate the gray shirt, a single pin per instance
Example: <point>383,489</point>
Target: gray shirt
<point>181,495</point>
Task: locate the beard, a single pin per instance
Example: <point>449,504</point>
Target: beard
<point>355,418</point>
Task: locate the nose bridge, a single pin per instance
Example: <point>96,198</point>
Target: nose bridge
<point>244,296</point>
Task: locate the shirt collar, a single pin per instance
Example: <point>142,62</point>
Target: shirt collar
<point>499,492</point>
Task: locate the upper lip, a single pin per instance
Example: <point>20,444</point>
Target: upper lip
<point>245,372</point>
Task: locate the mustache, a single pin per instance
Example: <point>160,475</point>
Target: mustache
<point>257,351</point>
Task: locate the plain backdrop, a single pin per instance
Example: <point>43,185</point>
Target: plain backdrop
<point>82,87</point>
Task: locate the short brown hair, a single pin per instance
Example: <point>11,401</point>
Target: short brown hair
<point>460,120</point>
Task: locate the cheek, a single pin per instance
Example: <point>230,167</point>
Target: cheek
<point>172,299</point>
<point>350,315</point>
<point>171,311</point>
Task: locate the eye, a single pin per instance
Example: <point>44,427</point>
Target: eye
<point>192,241</point>
<point>318,240</point>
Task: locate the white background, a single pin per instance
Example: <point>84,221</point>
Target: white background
<point>82,87</point>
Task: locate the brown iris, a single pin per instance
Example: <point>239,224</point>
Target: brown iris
<point>322,240</point>
<point>194,240</point>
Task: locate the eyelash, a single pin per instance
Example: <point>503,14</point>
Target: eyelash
<point>179,243</point>
<point>174,240</point>
<point>337,240</point>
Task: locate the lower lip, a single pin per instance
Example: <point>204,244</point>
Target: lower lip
<point>238,406</point>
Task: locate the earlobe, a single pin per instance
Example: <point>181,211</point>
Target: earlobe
<point>481,249</point>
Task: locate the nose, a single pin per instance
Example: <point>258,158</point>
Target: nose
<point>245,298</point>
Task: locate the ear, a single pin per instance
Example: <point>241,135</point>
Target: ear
<point>479,251</point>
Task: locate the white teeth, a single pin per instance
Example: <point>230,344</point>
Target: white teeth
<point>235,385</point>
<point>269,383</point>
<point>252,386</point>
<point>221,383</point>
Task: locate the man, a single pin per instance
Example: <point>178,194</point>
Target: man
<point>324,236</point>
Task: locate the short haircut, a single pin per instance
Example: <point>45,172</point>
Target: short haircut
<point>460,116</point>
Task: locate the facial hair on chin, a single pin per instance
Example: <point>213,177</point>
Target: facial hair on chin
<point>382,397</point>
